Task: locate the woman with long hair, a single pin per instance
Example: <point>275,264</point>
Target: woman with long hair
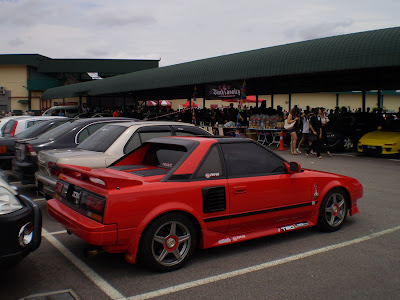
<point>324,140</point>
<point>304,133</point>
<point>293,117</point>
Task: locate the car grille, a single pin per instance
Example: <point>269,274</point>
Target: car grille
<point>372,149</point>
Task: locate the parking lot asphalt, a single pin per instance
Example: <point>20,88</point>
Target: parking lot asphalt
<point>362,260</point>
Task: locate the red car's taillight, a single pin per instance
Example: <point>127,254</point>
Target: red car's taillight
<point>59,187</point>
<point>94,205</point>
<point>82,201</point>
<point>53,168</point>
<point>61,190</point>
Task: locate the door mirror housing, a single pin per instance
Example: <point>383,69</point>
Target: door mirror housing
<point>294,167</point>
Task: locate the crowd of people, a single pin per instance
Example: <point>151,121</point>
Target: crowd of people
<point>308,130</point>
<point>311,126</point>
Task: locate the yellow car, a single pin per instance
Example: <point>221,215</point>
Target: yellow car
<point>385,141</point>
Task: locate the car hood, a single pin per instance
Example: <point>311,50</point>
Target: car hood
<point>386,136</point>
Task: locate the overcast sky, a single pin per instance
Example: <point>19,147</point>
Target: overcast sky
<point>179,30</point>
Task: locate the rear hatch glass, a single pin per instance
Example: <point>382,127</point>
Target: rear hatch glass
<point>103,138</point>
<point>163,155</point>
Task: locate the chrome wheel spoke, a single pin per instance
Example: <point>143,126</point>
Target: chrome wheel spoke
<point>183,238</point>
<point>173,229</point>
<point>332,220</point>
<point>341,204</point>
<point>163,254</point>
<point>328,210</point>
<point>334,199</point>
<point>177,254</point>
<point>159,239</point>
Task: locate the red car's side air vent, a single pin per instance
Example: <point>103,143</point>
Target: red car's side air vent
<point>214,199</point>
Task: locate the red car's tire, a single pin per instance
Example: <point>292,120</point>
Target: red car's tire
<point>333,210</point>
<point>168,242</point>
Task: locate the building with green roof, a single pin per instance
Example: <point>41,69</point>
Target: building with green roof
<point>361,61</point>
<point>24,77</point>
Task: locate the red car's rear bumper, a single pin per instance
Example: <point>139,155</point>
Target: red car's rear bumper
<point>91,231</point>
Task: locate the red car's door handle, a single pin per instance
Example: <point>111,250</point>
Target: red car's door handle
<point>239,190</point>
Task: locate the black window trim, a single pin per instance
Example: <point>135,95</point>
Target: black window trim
<point>180,162</point>
<point>188,128</point>
<point>155,128</point>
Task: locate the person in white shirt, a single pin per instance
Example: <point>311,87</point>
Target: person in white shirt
<point>306,129</point>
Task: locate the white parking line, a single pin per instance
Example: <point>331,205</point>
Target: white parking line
<point>54,233</point>
<point>196,283</point>
<point>43,295</point>
<point>88,272</point>
<point>39,199</point>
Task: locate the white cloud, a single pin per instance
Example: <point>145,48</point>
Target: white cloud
<point>179,30</point>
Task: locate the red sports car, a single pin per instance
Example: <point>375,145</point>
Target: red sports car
<point>174,194</point>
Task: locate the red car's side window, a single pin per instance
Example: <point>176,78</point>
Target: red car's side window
<point>211,167</point>
<point>250,159</point>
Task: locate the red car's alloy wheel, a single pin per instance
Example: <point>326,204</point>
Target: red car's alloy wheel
<point>168,242</point>
<point>171,243</point>
<point>333,210</point>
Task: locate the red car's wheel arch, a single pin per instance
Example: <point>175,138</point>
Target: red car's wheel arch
<point>132,251</point>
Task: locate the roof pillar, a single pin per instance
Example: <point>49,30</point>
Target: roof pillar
<point>364,95</point>
<point>256,99</point>
<point>379,99</point>
<point>337,99</point>
<point>272,100</point>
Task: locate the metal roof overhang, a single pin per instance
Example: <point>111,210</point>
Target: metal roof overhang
<point>359,61</point>
<point>101,66</point>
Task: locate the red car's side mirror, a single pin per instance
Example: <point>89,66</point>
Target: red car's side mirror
<point>294,167</point>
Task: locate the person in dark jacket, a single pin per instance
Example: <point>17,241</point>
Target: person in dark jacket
<point>315,134</point>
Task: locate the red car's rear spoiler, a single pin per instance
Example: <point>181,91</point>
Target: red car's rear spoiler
<point>98,177</point>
